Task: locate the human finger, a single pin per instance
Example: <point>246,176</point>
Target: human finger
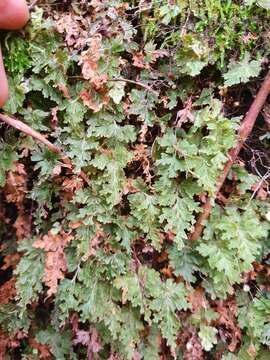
<point>3,82</point>
<point>14,14</point>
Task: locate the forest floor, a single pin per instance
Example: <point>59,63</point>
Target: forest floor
<point>134,182</point>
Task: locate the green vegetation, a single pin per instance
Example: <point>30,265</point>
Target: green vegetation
<point>145,99</point>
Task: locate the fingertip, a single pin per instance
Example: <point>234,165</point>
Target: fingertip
<point>3,86</point>
<point>14,14</point>
<point>3,83</point>
<point>22,17</point>
<point>3,97</point>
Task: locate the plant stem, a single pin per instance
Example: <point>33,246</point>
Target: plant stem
<point>243,133</point>
<point>19,125</point>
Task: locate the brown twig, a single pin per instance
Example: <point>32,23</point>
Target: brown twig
<point>206,210</point>
<point>139,83</point>
<point>33,4</point>
<point>19,125</point>
<point>243,133</point>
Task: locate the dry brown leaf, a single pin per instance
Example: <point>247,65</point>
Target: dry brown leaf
<point>89,61</point>
<point>72,184</point>
<point>115,357</point>
<point>167,272</point>
<point>261,189</point>
<point>11,260</point>
<point>138,61</point>
<point>143,132</point>
<point>56,171</point>
<point>227,311</point>
<point>252,352</point>
<point>89,71</point>
<point>75,224</point>
<point>63,88</point>
<point>55,263</point>
<point>163,257</point>
<point>198,300</point>
<point>7,291</point>
<point>69,187</point>
<point>89,102</point>
<point>16,185</point>
<point>43,350</point>
<point>129,187</point>
<point>247,37</point>
<point>157,54</point>
<point>54,119</point>
<point>184,115</point>
<point>193,349</point>
<point>94,242</point>
<point>96,4</point>
<point>72,26</point>
<point>94,101</point>
<point>141,154</point>
<point>22,226</point>
<point>90,339</point>
<point>4,343</point>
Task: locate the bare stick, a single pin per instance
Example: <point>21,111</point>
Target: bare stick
<point>19,125</point>
<point>246,127</point>
<point>243,133</point>
<point>206,210</point>
<point>33,4</point>
<point>139,83</point>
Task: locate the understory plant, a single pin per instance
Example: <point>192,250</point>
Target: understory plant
<point>143,99</point>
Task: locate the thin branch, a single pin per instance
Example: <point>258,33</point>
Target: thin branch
<point>84,177</point>
<point>243,133</point>
<point>33,4</point>
<point>206,210</point>
<point>263,179</point>
<point>139,83</point>
<point>246,127</point>
<point>19,125</point>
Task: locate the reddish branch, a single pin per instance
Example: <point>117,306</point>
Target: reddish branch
<point>139,83</point>
<point>19,125</point>
<point>243,133</point>
<point>33,4</point>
